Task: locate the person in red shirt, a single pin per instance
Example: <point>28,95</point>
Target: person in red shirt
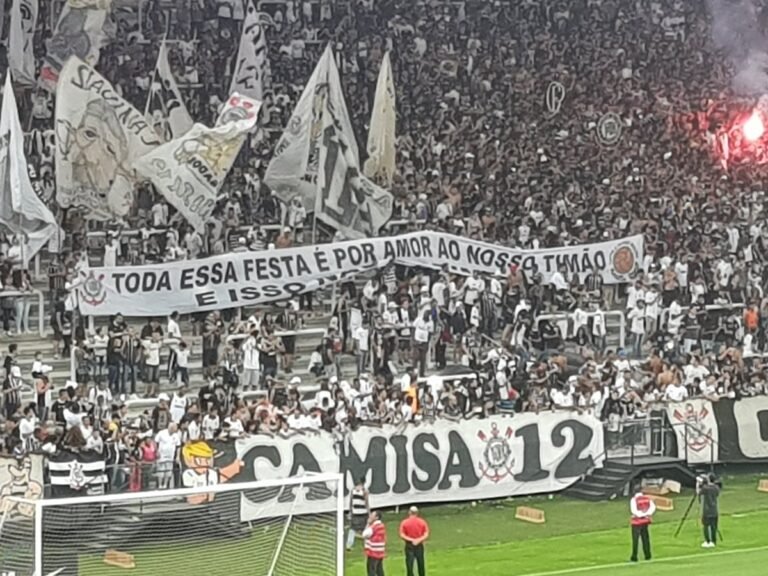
<point>642,508</point>
<point>414,531</point>
<point>375,535</point>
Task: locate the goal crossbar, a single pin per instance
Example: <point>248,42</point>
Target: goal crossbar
<point>180,493</point>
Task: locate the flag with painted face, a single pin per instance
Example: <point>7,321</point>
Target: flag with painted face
<point>98,137</point>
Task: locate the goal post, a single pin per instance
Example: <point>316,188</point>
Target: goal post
<point>286,527</point>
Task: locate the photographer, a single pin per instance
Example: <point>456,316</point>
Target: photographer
<point>708,488</point>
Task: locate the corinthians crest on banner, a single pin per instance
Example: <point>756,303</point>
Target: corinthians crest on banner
<point>696,430</point>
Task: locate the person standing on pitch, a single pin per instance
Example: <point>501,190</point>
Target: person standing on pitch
<point>375,535</point>
<point>708,490</point>
<point>359,510</point>
<point>642,508</point>
<point>414,531</point>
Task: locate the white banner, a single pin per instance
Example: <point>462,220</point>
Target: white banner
<point>258,277</point>
<point>444,462</point>
<point>189,171</point>
<point>98,138</point>
<point>381,135</point>
<point>166,111</point>
<point>251,75</point>
<point>80,33</point>
<point>21,41</point>
<point>295,163</point>
<point>347,200</point>
<point>696,429</point>
<point>21,210</point>
<point>20,478</point>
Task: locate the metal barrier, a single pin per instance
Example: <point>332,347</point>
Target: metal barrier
<point>565,317</point>
<point>634,437</point>
<point>40,305</point>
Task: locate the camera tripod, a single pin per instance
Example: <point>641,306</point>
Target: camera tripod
<point>687,513</point>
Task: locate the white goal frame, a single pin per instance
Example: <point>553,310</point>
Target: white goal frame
<point>338,479</point>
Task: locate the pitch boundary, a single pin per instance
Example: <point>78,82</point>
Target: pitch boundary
<point>654,561</point>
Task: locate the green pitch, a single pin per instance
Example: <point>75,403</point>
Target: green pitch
<point>582,538</point>
<point>587,539</point>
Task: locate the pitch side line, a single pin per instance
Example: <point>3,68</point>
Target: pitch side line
<point>654,561</point>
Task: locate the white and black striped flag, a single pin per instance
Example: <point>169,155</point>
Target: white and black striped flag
<point>77,473</point>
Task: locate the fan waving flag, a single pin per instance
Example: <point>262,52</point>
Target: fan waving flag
<point>251,76</point>
<point>165,110</point>
<point>189,171</point>
<point>293,170</point>
<point>346,200</point>
<point>80,33</point>
<point>21,48</point>
<point>381,137</point>
<point>21,210</point>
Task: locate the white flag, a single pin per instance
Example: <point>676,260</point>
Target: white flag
<point>165,110</point>
<point>381,135</point>
<point>190,170</point>
<point>252,73</point>
<point>80,33</point>
<point>346,200</point>
<point>21,48</point>
<point>98,137</point>
<point>294,166</point>
<point>21,210</point>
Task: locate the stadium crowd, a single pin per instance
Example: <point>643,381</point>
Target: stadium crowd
<point>488,148</point>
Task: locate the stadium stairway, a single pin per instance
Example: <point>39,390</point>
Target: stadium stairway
<point>618,476</point>
<point>602,483</point>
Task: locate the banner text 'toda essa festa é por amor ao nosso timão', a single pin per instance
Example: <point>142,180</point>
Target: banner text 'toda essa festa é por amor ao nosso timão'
<point>243,278</point>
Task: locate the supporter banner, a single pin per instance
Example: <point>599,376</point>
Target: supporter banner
<point>245,278</point>
<point>743,426</point>
<point>445,461</point>
<point>381,136</point>
<point>21,48</point>
<point>723,431</point>
<point>80,33</point>
<point>295,163</point>
<point>252,71</point>
<point>76,473</point>
<point>696,430</point>
<point>165,110</point>
<point>346,200</point>
<point>190,170</point>
<point>20,478</point>
<point>21,209</point>
<point>98,137</point>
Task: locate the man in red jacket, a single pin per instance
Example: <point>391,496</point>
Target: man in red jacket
<point>375,535</point>
<point>642,508</point>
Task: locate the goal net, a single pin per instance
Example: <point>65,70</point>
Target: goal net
<point>290,527</point>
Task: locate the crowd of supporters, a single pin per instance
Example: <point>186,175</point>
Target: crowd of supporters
<point>482,152</point>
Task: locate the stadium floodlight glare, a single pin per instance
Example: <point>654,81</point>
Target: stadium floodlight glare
<point>203,530</point>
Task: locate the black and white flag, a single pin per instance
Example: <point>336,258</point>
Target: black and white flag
<point>165,110</point>
<point>77,473</point>
<point>251,76</point>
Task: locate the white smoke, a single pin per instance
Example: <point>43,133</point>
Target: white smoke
<point>736,31</point>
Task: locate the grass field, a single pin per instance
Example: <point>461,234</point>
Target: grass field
<point>588,539</point>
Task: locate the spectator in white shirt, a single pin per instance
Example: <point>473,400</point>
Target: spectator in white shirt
<point>211,423</point>
<point>636,318</point>
<point>675,392</point>
<point>182,364</point>
<point>251,366</point>
<point>422,329</point>
<point>168,442</point>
